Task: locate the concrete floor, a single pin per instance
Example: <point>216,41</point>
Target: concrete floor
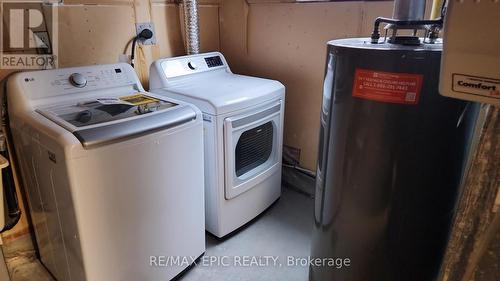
<point>283,231</point>
<point>22,262</point>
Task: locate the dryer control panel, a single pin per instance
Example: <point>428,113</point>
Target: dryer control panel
<point>185,65</point>
<point>43,84</point>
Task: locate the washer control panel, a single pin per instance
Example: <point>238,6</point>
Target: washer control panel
<point>74,80</point>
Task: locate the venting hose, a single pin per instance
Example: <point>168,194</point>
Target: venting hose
<point>191,26</point>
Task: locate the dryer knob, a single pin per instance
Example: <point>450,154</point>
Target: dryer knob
<point>78,80</point>
<point>192,65</point>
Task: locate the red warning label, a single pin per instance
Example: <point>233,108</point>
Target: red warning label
<point>403,88</point>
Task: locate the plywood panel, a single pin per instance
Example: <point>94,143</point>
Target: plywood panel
<point>94,34</point>
<point>209,28</point>
<point>233,28</point>
<point>287,42</point>
<point>168,29</point>
<point>370,11</point>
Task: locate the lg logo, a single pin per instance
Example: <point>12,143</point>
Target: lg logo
<point>29,31</point>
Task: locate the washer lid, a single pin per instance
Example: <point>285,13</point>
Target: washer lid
<point>219,93</point>
<point>99,121</point>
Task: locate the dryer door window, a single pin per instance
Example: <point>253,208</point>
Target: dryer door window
<point>254,148</point>
<point>251,148</point>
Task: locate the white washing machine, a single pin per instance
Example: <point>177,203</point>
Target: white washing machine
<point>114,175</point>
<point>243,134</point>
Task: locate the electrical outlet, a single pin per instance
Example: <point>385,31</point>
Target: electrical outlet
<point>146,25</point>
<point>42,41</point>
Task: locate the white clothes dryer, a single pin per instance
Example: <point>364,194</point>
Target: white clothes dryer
<point>243,134</point>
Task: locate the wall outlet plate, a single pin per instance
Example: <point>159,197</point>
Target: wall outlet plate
<point>146,25</point>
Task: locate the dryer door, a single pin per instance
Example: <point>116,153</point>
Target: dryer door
<point>251,144</point>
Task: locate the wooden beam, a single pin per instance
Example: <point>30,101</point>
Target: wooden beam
<point>476,222</point>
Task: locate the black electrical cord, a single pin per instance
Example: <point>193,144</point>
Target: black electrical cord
<point>134,42</point>
<point>143,36</point>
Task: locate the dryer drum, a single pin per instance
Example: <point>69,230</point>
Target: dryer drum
<point>392,155</point>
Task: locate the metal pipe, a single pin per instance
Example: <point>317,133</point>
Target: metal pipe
<point>191,26</point>
<point>437,7</point>
<point>409,10</point>
<point>401,24</point>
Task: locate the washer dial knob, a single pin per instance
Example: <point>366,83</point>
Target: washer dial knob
<point>78,80</point>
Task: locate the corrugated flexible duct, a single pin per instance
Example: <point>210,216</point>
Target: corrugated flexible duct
<point>191,26</point>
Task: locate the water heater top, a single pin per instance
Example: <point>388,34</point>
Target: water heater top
<point>365,43</point>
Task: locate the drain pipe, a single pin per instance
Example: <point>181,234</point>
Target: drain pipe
<point>191,26</point>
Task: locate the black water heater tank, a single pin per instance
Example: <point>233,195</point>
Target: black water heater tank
<point>391,158</point>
